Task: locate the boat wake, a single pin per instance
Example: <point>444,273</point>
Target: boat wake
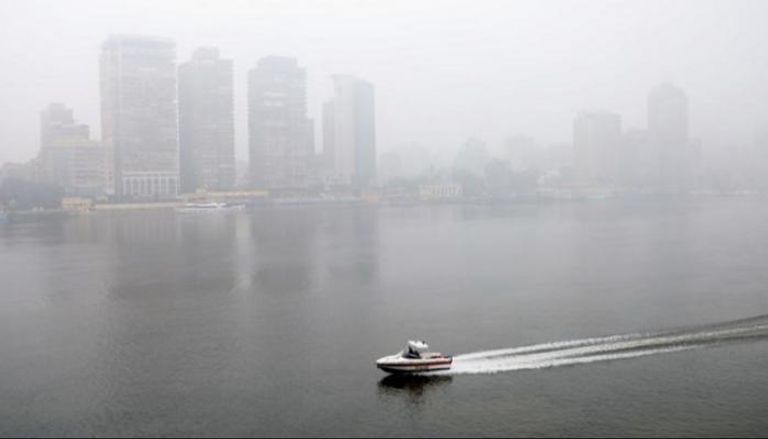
<point>616,347</point>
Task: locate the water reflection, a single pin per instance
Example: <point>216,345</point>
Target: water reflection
<point>413,388</point>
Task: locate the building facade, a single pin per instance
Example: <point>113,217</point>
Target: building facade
<point>596,141</point>
<point>139,121</point>
<point>280,135</point>
<point>349,132</point>
<point>206,122</point>
<point>69,158</point>
<point>669,138</point>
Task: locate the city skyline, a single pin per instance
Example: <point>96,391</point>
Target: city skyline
<point>531,93</point>
<point>169,128</point>
<point>283,153</point>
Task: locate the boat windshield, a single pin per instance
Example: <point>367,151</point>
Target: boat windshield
<point>411,353</point>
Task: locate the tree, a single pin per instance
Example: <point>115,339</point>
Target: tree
<point>498,177</point>
<point>20,194</point>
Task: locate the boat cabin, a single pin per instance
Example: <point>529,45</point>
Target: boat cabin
<point>415,349</point>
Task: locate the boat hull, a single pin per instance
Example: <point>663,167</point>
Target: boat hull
<point>415,366</point>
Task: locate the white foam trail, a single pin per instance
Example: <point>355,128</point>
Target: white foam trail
<point>590,350</point>
<point>544,347</point>
<point>509,366</point>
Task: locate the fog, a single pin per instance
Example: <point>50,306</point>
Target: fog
<point>225,217</point>
<point>444,71</point>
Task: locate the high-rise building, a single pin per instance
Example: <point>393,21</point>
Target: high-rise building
<point>327,158</point>
<point>69,158</point>
<point>596,140</point>
<point>206,122</point>
<point>668,135</point>
<point>756,163</point>
<point>636,160</point>
<point>139,122</point>
<point>349,132</point>
<point>280,135</point>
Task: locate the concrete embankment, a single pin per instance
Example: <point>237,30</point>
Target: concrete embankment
<point>136,206</point>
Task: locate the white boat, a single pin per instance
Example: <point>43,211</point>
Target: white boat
<point>207,207</point>
<point>415,358</point>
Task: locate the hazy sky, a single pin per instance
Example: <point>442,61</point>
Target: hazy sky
<point>443,70</point>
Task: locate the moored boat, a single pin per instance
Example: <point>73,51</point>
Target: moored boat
<point>208,207</point>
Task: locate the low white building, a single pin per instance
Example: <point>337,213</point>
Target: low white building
<point>440,191</point>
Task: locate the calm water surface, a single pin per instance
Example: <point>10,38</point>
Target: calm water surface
<point>267,322</point>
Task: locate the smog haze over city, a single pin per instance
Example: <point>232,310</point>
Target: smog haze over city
<point>443,70</point>
<point>383,218</point>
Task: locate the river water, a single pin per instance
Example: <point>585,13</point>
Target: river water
<point>611,317</point>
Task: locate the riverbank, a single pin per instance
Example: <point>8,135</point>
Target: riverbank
<point>260,203</point>
<point>137,206</point>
